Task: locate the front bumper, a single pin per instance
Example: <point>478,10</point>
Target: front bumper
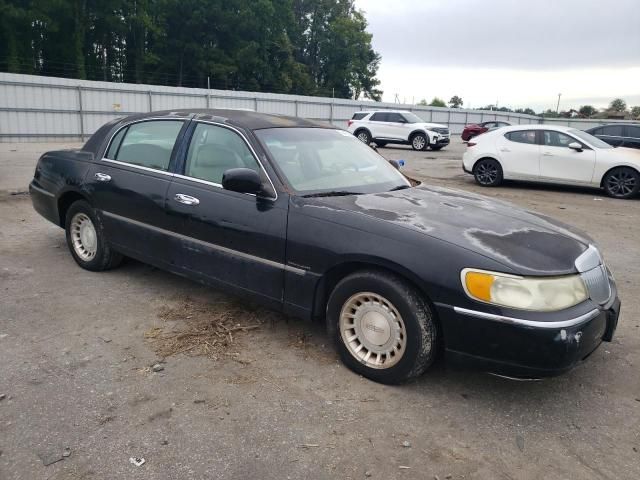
<point>523,348</point>
<point>441,141</point>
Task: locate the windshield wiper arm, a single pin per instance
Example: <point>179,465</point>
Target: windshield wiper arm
<point>333,193</point>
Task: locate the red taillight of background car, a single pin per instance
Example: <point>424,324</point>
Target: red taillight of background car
<point>349,122</point>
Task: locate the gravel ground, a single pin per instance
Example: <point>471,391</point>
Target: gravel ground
<point>76,373</point>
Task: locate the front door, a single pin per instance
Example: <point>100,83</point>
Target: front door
<point>128,186</point>
<point>232,238</point>
<point>559,163</point>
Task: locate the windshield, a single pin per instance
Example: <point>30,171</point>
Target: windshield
<point>590,139</point>
<point>318,160</point>
<point>412,118</point>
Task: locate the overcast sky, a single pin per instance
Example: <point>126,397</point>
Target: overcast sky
<point>521,53</point>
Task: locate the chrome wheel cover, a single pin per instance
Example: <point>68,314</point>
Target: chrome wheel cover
<point>363,137</point>
<point>373,331</point>
<point>84,237</point>
<point>419,142</point>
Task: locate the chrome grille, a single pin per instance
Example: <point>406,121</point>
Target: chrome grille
<point>594,275</point>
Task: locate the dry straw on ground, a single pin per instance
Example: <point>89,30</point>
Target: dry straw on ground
<point>205,329</point>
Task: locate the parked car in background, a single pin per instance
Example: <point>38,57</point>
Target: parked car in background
<point>399,127</point>
<point>553,154</point>
<point>475,129</point>
<point>304,218</point>
<point>618,135</point>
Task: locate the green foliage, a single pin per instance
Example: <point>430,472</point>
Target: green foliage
<point>309,47</point>
<point>635,112</point>
<point>587,111</point>
<point>455,102</point>
<point>437,102</point>
<point>618,105</point>
<point>423,103</point>
<point>527,111</point>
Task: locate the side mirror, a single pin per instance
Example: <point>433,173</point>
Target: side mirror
<point>242,180</point>
<point>575,146</point>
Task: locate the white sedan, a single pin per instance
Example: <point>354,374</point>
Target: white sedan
<point>552,154</point>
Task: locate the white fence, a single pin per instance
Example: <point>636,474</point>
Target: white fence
<point>43,109</point>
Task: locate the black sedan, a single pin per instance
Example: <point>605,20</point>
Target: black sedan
<point>306,219</point>
<point>618,134</point>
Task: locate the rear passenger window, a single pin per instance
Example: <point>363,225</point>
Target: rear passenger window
<point>214,150</point>
<point>522,136</point>
<point>612,131</point>
<point>358,116</point>
<point>633,132</point>
<point>146,144</point>
<point>379,117</point>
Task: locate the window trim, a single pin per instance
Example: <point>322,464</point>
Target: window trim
<point>142,167</point>
<point>218,185</point>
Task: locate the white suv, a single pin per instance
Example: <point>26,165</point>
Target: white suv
<point>398,126</point>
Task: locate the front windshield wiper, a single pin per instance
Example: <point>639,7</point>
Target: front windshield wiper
<point>399,187</point>
<point>333,193</point>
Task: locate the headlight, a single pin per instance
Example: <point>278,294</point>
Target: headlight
<point>544,294</point>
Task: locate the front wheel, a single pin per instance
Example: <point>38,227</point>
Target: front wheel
<point>488,172</point>
<point>385,328</point>
<point>419,141</point>
<point>86,239</point>
<point>622,183</point>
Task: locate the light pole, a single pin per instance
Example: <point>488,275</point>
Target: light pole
<point>558,104</point>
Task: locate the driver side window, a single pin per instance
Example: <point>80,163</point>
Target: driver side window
<point>214,150</point>
<point>557,139</point>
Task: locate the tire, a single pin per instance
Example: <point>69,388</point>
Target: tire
<point>86,239</point>
<point>364,136</point>
<point>488,172</point>
<point>401,327</point>
<point>381,144</point>
<point>622,182</point>
<point>419,141</point>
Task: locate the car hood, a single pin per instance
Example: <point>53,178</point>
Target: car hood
<point>525,242</point>
<point>432,125</point>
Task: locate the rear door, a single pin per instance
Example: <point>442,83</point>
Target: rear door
<point>232,238</point>
<point>128,186</point>
<point>632,136</point>
<point>519,154</point>
<point>378,125</point>
<point>559,163</point>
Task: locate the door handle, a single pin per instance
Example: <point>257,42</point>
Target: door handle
<point>503,149</point>
<point>186,199</point>
<point>102,177</point>
<point>547,154</point>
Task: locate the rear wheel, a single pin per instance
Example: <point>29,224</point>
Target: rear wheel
<point>419,141</point>
<point>86,239</point>
<point>385,329</point>
<point>622,182</point>
<point>488,172</point>
<point>363,136</point>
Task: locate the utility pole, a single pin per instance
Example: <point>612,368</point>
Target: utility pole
<point>558,104</point>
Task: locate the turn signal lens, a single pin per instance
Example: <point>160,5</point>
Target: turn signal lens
<point>542,294</point>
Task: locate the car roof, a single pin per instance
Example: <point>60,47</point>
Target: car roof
<point>632,124</point>
<point>535,126</point>
<point>246,119</point>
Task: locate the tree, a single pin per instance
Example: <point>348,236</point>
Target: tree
<point>618,105</point>
<point>423,103</point>
<point>526,111</point>
<point>587,111</point>
<point>437,102</point>
<point>635,112</point>
<point>307,47</point>
<point>455,102</point>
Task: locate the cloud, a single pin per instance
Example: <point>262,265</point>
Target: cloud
<point>541,34</point>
